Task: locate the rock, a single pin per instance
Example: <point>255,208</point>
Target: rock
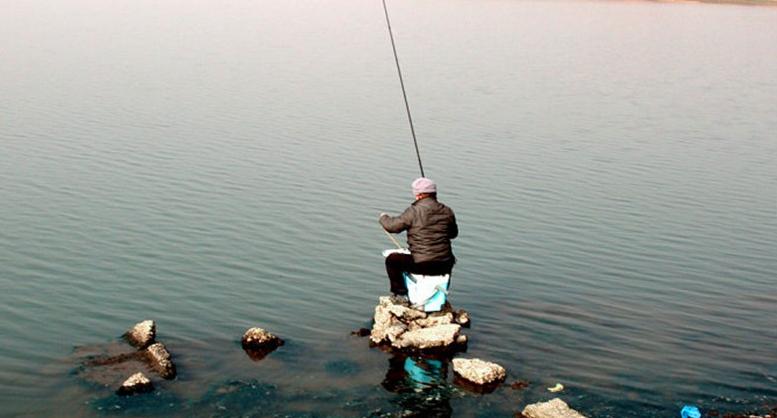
<point>361,332</point>
<point>160,360</point>
<point>555,408</point>
<point>383,320</point>
<point>461,317</point>
<point>432,321</point>
<point>260,340</point>
<point>394,332</point>
<point>258,343</point>
<point>406,314</point>
<point>142,334</point>
<point>425,338</point>
<point>478,371</point>
<point>137,383</point>
<point>520,384</point>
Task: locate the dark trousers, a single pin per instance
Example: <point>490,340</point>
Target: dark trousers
<point>396,264</point>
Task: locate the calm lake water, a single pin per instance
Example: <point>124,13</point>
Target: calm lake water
<point>221,165</point>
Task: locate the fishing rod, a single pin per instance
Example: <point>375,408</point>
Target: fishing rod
<point>404,94</point>
<point>394,240</point>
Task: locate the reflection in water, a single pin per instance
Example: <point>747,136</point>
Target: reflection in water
<point>421,385</point>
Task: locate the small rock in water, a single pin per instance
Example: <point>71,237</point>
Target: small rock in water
<point>478,371</point>
<point>257,343</point>
<point>554,408</point>
<point>137,383</point>
<point>142,334</point>
<point>160,360</point>
<point>361,332</point>
<point>259,339</point>
<point>461,317</point>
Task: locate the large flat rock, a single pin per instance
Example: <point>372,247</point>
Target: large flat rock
<point>479,372</point>
<point>439,336</point>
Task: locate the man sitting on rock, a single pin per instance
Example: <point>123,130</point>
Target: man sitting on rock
<point>430,227</point>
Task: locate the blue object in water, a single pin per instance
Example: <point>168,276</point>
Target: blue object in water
<point>690,411</point>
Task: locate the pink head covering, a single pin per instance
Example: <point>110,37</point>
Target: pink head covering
<point>424,185</point>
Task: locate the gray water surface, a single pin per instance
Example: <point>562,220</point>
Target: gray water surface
<point>216,166</point>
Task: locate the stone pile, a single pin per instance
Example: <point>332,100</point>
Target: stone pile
<point>143,337</point>
<point>401,327</point>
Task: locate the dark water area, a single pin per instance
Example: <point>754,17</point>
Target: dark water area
<point>219,166</point>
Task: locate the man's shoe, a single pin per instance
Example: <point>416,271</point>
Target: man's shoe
<point>400,300</point>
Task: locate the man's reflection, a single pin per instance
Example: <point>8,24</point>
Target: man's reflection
<point>421,385</point>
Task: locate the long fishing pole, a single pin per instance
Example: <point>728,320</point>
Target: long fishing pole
<point>404,94</point>
<point>394,240</point>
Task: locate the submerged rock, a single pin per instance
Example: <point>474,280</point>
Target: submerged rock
<point>405,328</point>
<point>108,364</point>
<point>520,384</point>
<point>160,360</point>
<point>142,334</point>
<point>479,372</point>
<point>137,383</point>
<point>554,408</point>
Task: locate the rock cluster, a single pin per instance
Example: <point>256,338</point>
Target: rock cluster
<point>405,328</point>
<point>143,336</point>
<point>108,364</point>
<point>147,354</point>
<point>479,372</point>
<point>137,383</point>
<point>554,408</point>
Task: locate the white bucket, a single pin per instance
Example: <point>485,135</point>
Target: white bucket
<point>429,292</point>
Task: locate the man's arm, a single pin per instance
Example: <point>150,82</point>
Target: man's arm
<point>453,228</point>
<point>399,223</point>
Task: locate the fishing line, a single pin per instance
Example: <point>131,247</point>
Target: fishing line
<point>404,94</point>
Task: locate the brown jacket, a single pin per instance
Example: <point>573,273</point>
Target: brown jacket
<point>430,227</point>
